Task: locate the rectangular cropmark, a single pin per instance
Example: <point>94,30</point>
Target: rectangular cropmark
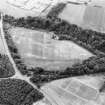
<point>67,97</point>
<point>82,90</point>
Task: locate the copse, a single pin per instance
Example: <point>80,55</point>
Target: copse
<point>18,92</point>
<point>6,68</point>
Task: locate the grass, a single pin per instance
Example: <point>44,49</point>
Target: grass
<point>38,50</point>
<point>2,49</point>
<point>73,14</point>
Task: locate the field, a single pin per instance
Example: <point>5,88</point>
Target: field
<point>90,21</point>
<point>82,90</point>
<point>85,16</point>
<point>39,50</point>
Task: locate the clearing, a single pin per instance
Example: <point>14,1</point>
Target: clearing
<point>38,49</point>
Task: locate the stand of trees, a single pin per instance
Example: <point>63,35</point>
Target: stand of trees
<point>18,92</point>
<point>55,11</point>
<point>6,68</point>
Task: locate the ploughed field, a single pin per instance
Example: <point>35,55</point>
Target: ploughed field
<point>38,49</point>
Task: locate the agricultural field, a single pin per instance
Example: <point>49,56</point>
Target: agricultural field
<point>83,90</point>
<point>85,16</point>
<point>2,49</point>
<point>91,22</point>
<point>38,49</point>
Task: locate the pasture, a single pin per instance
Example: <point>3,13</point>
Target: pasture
<point>38,49</point>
